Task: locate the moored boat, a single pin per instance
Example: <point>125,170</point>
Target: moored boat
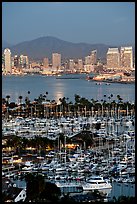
<point>96,182</point>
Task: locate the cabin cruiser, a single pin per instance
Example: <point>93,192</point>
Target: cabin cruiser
<point>96,182</point>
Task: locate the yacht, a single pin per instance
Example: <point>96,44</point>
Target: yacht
<point>96,182</point>
<point>69,187</point>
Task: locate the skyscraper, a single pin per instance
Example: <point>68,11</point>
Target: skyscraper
<point>126,57</point>
<point>24,62</point>
<point>113,58</point>
<point>88,59</point>
<point>80,65</point>
<point>56,61</point>
<point>7,61</point>
<point>93,57</point>
<point>16,61</point>
<point>71,64</point>
<point>45,62</point>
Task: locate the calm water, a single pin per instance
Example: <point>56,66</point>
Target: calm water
<point>118,189</point>
<point>58,88</point>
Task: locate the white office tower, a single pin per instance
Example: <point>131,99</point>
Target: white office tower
<point>126,57</point>
<point>56,61</point>
<point>7,61</point>
<point>113,58</point>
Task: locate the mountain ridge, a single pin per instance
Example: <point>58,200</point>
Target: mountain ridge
<point>44,46</point>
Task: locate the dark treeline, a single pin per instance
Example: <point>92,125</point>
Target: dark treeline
<point>43,107</point>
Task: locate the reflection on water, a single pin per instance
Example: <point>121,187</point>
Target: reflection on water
<point>58,88</point>
<point>57,96</point>
<point>58,91</point>
<point>122,189</point>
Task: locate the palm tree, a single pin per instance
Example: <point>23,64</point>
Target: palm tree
<point>119,104</point>
<point>8,98</point>
<point>7,105</point>
<point>20,99</point>
<point>20,102</point>
<point>27,101</point>
<point>3,101</point>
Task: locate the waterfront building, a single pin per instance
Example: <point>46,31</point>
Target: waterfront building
<point>16,61</point>
<point>23,61</point>
<point>93,57</point>
<point>113,58</point>
<point>56,61</point>
<point>88,68</point>
<point>126,57</point>
<point>3,62</point>
<point>88,59</point>
<point>7,61</point>
<point>80,65</point>
<point>71,65</point>
<point>45,62</point>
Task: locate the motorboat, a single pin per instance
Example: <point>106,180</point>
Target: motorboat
<point>69,187</point>
<point>96,183</point>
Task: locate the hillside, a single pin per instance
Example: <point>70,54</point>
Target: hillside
<point>45,46</point>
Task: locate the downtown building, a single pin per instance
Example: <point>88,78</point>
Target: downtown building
<point>126,57</point>
<point>113,59</point>
<point>122,60</point>
<point>46,62</point>
<point>93,57</point>
<point>7,61</point>
<point>56,61</point>
<point>80,66</point>
<point>71,66</point>
<point>23,61</point>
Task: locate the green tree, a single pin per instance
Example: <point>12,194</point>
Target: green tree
<point>37,190</point>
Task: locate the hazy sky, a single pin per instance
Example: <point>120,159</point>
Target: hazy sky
<point>108,23</point>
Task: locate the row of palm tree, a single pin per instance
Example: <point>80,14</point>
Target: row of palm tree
<point>81,106</point>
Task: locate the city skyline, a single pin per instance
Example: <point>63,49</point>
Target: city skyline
<point>108,23</point>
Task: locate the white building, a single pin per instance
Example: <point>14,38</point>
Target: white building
<point>113,58</point>
<point>126,57</point>
<point>56,61</point>
<point>24,61</point>
<point>89,68</point>
<point>7,61</point>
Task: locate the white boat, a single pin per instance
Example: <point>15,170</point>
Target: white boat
<point>70,187</point>
<point>96,182</point>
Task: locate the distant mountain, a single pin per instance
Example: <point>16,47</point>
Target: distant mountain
<point>44,47</point>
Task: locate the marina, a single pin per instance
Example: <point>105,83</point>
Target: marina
<point>72,146</point>
<point>110,161</point>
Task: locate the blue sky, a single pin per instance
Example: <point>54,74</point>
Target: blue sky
<point>111,23</point>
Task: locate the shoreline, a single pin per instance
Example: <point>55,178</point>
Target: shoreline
<point>106,81</point>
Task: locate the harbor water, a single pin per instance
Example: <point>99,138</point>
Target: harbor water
<point>59,88</point>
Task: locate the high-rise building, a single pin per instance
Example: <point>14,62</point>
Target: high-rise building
<point>88,59</point>
<point>23,61</point>
<point>16,61</point>
<point>7,61</point>
<point>93,57</point>
<point>71,64</point>
<point>56,61</point>
<point>126,57</point>
<point>80,65</point>
<point>45,62</point>
<point>113,58</point>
